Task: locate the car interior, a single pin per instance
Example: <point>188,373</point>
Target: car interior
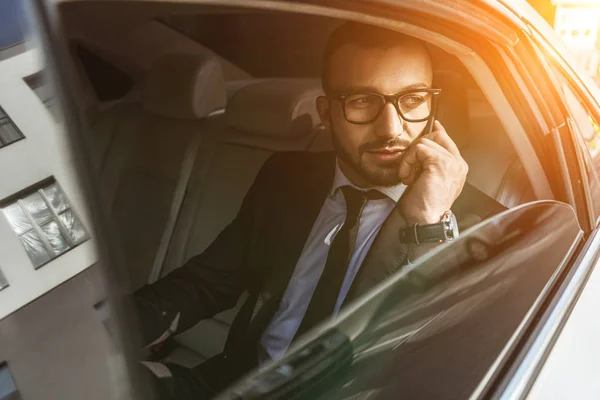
<point>186,103</point>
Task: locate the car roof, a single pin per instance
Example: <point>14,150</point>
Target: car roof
<point>487,18</point>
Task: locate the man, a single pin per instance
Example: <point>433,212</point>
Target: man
<point>316,230</point>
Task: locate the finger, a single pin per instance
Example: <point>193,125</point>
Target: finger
<point>418,152</point>
<point>440,136</point>
<point>416,156</point>
<point>430,151</point>
<point>408,164</point>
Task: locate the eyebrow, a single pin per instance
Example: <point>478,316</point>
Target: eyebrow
<point>358,89</point>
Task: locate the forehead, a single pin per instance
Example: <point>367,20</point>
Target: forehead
<point>386,70</point>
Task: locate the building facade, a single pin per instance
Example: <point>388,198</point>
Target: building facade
<point>44,235</point>
<point>577,22</point>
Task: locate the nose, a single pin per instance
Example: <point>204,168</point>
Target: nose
<point>389,125</point>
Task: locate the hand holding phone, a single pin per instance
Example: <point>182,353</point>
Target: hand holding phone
<point>434,172</point>
<point>417,168</point>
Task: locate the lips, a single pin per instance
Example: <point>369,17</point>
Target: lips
<point>387,153</point>
<point>388,150</point>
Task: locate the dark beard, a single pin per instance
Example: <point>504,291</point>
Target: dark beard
<point>378,175</point>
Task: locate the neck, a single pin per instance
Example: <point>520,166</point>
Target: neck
<point>353,175</point>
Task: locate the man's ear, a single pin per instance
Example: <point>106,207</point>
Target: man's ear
<point>324,110</point>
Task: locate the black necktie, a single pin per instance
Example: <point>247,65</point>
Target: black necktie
<point>324,298</point>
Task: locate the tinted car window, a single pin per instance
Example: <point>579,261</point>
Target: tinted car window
<point>433,331</point>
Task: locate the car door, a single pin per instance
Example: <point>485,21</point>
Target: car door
<point>569,101</point>
<point>472,288</point>
<point>447,327</point>
<point>560,362</point>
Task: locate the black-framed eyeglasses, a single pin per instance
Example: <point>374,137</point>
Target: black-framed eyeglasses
<point>417,105</point>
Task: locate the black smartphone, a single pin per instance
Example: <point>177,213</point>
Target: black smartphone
<point>434,107</point>
<point>429,127</point>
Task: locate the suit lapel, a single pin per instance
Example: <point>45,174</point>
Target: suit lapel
<point>303,200</point>
<point>301,203</point>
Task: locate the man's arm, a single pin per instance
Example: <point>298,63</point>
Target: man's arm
<point>471,207</point>
<point>435,173</point>
<point>207,283</point>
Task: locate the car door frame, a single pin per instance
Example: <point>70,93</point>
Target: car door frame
<point>520,376</point>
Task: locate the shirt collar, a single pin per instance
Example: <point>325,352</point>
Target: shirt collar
<point>339,180</point>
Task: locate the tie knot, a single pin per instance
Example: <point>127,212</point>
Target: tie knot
<point>356,200</point>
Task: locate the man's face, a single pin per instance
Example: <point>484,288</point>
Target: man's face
<point>370,154</point>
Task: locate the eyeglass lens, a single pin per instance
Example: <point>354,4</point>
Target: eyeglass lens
<point>365,107</point>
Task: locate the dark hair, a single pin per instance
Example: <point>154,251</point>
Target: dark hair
<point>364,36</point>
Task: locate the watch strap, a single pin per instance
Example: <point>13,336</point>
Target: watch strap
<point>426,233</point>
<point>431,232</point>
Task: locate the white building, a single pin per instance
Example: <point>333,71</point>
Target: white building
<point>577,23</point>
<point>43,237</point>
<point>43,241</point>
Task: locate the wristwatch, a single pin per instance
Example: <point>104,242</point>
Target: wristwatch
<point>443,231</point>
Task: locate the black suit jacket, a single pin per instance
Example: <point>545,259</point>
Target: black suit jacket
<point>258,252</point>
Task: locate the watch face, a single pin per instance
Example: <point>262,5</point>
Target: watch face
<point>450,227</point>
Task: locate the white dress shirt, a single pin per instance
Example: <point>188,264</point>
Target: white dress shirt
<point>286,321</point>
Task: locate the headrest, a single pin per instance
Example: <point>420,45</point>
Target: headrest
<point>275,107</point>
<point>184,86</point>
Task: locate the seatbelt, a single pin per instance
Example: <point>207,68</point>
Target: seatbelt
<point>184,177</point>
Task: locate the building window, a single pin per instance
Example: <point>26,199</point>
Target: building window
<point>9,133</point>
<point>45,222</point>
<point>8,389</point>
<point>42,88</point>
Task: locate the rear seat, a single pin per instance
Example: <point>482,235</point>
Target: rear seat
<point>141,148</point>
<point>261,117</point>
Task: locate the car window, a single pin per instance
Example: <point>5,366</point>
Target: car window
<point>267,119</point>
<point>197,159</point>
<point>586,130</point>
<point>436,329</point>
